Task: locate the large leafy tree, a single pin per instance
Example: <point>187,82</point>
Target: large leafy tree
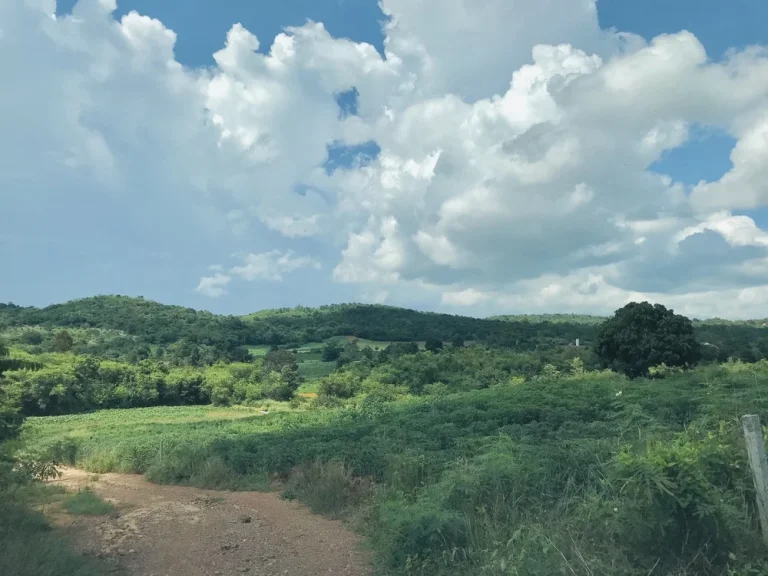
<point>641,335</point>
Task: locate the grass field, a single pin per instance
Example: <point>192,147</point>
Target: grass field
<point>132,423</point>
<point>313,369</point>
<point>309,387</point>
<point>312,351</point>
<point>587,476</point>
<point>258,351</point>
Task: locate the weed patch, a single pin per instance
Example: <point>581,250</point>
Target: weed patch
<point>28,544</point>
<point>85,502</point>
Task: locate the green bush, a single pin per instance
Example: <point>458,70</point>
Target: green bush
<point>339,385</point>
<point>328,487</point>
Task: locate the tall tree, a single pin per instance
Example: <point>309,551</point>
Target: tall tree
<point>62,342</point>
<point>642,335</point>
<point>434,345</point>
<point>276,360</point>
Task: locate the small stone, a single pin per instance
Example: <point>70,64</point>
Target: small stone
<point>245,519</point>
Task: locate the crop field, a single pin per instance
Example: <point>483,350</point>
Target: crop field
<point>131,423</point>
<point>591,473</point>
<point>376,344</point>
<point>313,351</point>
<point>258,351</point>
<point>314,369</point>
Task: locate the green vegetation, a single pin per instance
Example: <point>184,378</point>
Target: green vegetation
<point>135,329</point>
<point>590,470</point>
<point>29,547</point>
<point>641,336</point>
<point>66,383</point>
<point>86,502</point>
<point>460,445</point>
<point>553,318</point>
<point>132,329</point>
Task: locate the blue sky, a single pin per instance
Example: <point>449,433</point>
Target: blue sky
<point>235,185</point>
<point>201,24</point>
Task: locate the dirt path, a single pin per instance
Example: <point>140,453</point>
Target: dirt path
<point>180,531</point>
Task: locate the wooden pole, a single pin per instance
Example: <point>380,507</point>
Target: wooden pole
<point>753,434</point>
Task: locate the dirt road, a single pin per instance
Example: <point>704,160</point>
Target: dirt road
<point>180,531</point>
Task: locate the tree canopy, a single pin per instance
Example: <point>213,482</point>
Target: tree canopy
<point>642,335</point>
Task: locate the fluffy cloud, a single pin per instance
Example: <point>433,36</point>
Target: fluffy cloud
<point>746,184</point>
<point>471,47</point>
<point>553,177</point>
<point>213,286</point>
<point>272,265</point>
<point>517,143</point>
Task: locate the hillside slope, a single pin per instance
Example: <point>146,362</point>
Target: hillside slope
<point>389,323</point>
<point>154,322</point>
<point>161,325</point>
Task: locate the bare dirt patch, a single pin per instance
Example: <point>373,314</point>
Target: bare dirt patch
<point>175,530</point>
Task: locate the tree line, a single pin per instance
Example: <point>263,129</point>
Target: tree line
<point>134,329</point>
<point>66,383</point>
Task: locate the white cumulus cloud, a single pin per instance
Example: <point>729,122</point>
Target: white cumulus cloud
<point>518,143</point>
<point>213,286</point>
<point>272,265</point>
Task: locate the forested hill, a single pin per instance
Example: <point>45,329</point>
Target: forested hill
<point>388,323</point>
<point>722,339</point>
<point>141,323</point>
<point>552,318</point>
<point>161,324</point>
<point>155,323</point>
<point>595,320</point>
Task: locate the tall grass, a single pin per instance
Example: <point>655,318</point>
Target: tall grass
<point>591,476</point>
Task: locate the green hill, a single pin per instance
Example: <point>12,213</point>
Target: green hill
<point>120,325</point>
<point>154,322</point>
<point>552,318</point>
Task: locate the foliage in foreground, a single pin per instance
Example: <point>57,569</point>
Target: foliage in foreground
<point>554,476</point>
<point>28,544</point>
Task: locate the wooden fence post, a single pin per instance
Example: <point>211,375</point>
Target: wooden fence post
<point>753,434</point>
